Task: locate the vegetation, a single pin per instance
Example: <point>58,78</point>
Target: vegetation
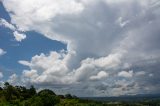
<point>21,96</point>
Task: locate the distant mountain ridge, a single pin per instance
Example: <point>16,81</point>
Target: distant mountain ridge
<point>139,97</point>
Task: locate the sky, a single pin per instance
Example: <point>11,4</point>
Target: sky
<point>82,47</point>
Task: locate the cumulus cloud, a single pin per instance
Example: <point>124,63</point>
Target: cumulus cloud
<point>13,79</point>
<point>47,68</point>
<point>112,40</point>
<point>2,52</point>
<point>19,36</point>
<point>125,74</point>
<point>100,75</point>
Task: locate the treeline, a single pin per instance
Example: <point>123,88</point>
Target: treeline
<point>21,96</point>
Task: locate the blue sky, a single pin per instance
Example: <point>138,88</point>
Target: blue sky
<point>82,47</point>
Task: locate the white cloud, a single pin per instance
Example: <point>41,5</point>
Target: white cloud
<point>151,75</point>
<point>47,68</point>
<point>2,52</point>
<point>126,74</point>
<point>4,23</point>
<point>13,79</point>
<point>100,75</point>
<point>140,73</point>
<point>31,74</point>
<point>19,36</point>
<point>90,66</point>
<point>1,75</point>
<point>121,22</point>
<point>33,10</point>
<point>26,63</point>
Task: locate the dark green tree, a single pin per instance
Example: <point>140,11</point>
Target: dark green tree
<point>46,92</point>
<point>6,84</point>
<point>34,101</point>
<point>32,90</point>
<point>1,89</point>
<point>10,92</point>
<point>48,97</point>
<point>68,96</point>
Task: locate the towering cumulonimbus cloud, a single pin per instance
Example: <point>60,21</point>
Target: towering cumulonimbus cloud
<point>106,41</point>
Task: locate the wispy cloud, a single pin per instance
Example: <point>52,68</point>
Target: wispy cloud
<point>4,23</point>
<point>18,36</point>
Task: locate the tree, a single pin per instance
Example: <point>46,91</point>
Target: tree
<point>1,89</point>
<point>46,92</point>
<point>6,84</point>
<point>10,92</point>
<point>75,97</point>
<point>32,90</point>
<point>48,97</point>
<point>68,96</point>
<point>61,96</point>
<point>34,101</point>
